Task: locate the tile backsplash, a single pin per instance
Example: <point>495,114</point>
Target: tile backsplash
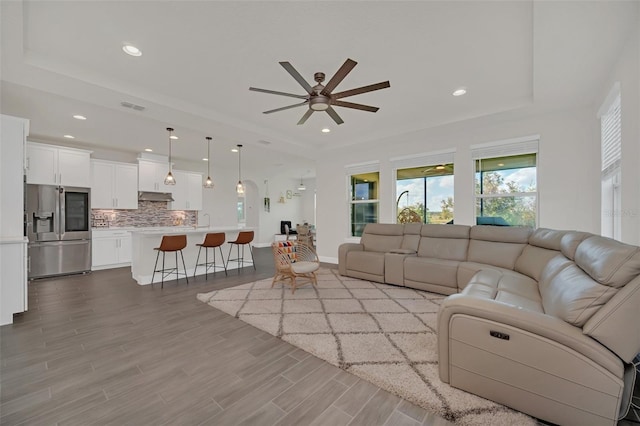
<point>148,213</point>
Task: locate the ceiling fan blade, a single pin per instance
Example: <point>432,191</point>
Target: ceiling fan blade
<point>273,92</point>
<point>305,116</point>
<point>355,106</point>
<point>295,74</point>
<point>283,108</point>
<point>333,114</point>
<point>339,76</point>
<point>359,90</point>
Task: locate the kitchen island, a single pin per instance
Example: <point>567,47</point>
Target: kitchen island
<point>143,256</point>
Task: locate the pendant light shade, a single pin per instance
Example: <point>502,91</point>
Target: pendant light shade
<point>208,184</point>
<point>170,180</point>
<point>239,186</point>
<point>301,187</point>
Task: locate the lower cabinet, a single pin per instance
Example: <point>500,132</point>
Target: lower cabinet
<point>110,249</point>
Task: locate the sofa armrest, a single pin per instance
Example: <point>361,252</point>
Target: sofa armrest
<point>343,250</point>
<point>536,323</point>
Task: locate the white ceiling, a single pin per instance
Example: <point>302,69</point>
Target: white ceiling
<point>61,58</point>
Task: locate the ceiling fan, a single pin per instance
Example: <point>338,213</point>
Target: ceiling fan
<point>319,97</point>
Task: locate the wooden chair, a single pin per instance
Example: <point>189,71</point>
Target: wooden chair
<point>294,260</point>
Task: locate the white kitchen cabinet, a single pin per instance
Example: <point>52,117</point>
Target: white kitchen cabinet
<point>53,165</point>
<point>187,193</point>
<point>110,249</point>
<point>151,176</point>
<point>113,185</point>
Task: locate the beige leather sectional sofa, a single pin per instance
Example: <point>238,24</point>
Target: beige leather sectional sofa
<point>545,321</point>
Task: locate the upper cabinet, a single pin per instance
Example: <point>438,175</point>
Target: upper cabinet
<point>113,185</point>
<point>187,192</point>
<point>151,176</point>
<point>54,165</point>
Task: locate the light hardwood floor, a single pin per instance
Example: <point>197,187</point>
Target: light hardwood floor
<point>101,349</point>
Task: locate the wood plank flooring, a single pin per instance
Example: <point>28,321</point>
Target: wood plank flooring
<point>100,349</point>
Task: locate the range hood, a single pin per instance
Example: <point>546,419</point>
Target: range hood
<point>154,196</point>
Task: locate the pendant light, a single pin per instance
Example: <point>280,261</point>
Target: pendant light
<point>208,184</point>
<point>239,186</point>
<point>301,187</point>
<point>170,180</point>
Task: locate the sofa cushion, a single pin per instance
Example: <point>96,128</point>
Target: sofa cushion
<point>608,261</point>
<point>506,287</point>
<point>466,271</point>
<point>432,271</point>
<point>497,246</point>
<point>570,242</point>
<point>379,237</point>
<point>510,234</point>
<point>449,242</point>
<point>547,238</point>
<point>411,238</point>
<point>533,260</point>
<point>573,296</point>
<point>445,231</point>
<point>366,261</point>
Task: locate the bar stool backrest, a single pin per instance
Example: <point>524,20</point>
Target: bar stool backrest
<point>173,242</point>
<point>244,237</point>
<point>214,239</point>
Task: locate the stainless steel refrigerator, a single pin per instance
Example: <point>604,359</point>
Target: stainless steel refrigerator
<point>59,230</point>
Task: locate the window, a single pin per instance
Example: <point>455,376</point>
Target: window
<point>364,183</point>
<point>611,147</point>
<point>506,185</point>
<point>241,210</point>
<point>425,194</point>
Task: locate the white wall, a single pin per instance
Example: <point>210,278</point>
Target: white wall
<point>567,185</point>
<point>626,71</point>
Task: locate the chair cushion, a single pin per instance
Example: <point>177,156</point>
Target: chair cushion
<point>304,267</point>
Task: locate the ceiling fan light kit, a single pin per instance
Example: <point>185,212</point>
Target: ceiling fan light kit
<point>321,97</point>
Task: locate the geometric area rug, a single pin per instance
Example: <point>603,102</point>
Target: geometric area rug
<point>381,333</point>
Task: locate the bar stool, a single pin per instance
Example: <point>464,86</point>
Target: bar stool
<point>211,240</point>
<point>243,238</point>
<point>170,243</point>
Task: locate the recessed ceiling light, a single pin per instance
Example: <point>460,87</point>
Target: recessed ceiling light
<point>174,137</point>
<point>205,159</point>
<point>69,137</point>
<point>148,149</point>
<point>234,149</point>
<point>326,130</point>
<point>461,91</point>
<point>130,49</point>
<point>79,117</point>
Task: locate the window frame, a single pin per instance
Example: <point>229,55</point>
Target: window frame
<point>357,169</point>
<point>506,148</point>
<point>424,159</point>
<point>610,115</point>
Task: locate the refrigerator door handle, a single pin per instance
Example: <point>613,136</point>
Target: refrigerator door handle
<point>61,209</point>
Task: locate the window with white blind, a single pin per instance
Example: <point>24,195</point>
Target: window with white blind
<point>506,188</point>
<point>364,183</point>
<point>611,156</point>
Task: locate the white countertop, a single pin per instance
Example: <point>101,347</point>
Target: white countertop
<point>187,230</point>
